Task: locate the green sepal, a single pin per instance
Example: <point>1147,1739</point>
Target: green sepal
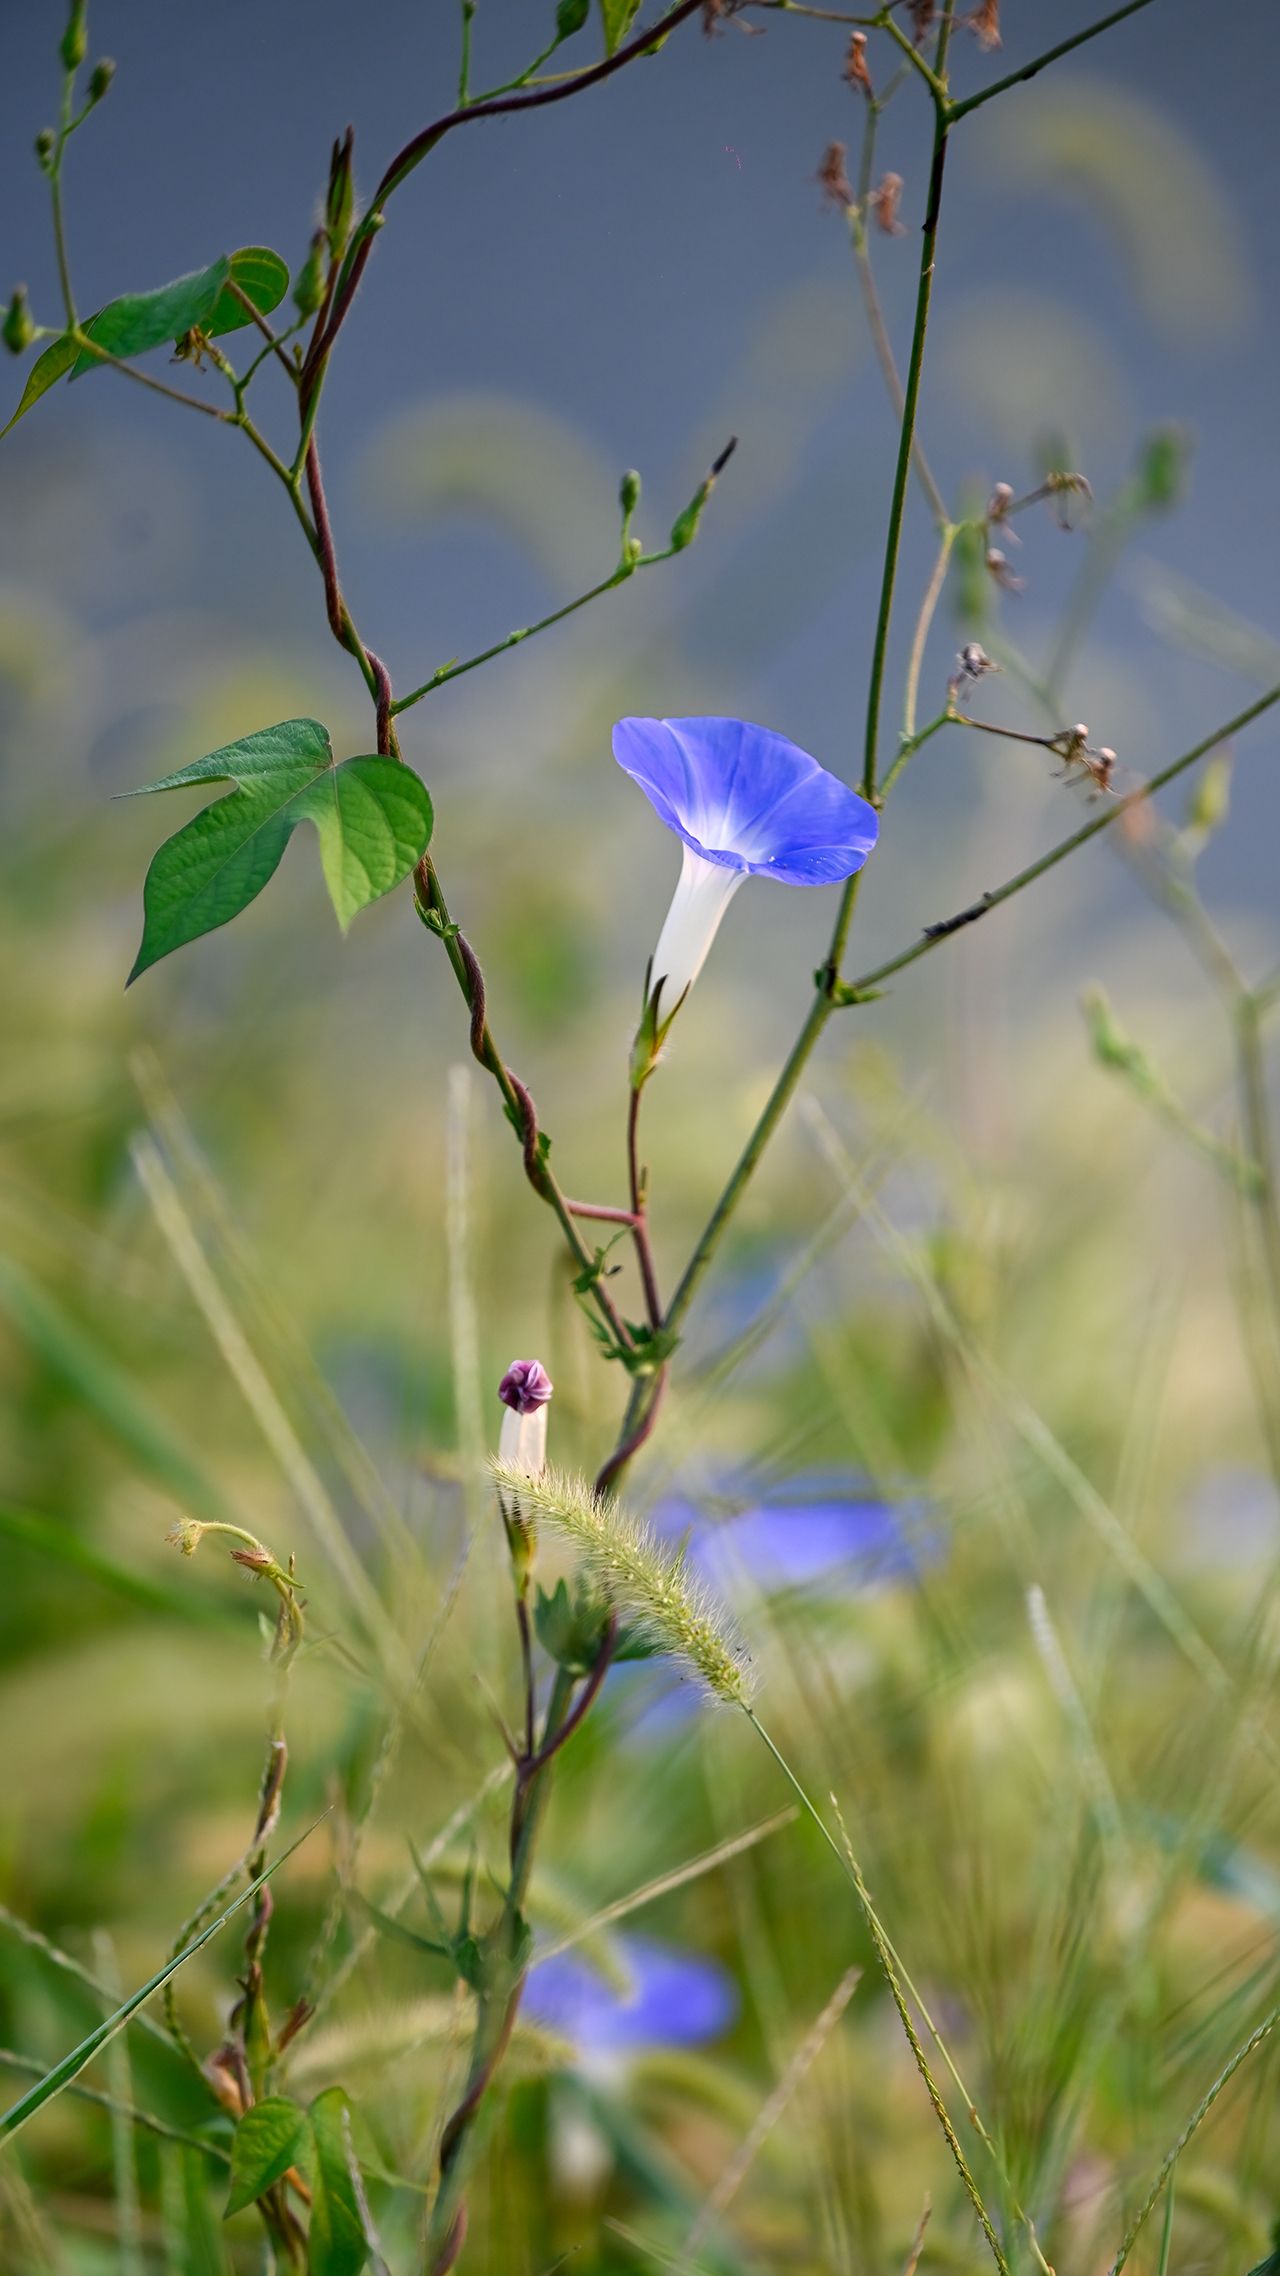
<point>570,1626</point>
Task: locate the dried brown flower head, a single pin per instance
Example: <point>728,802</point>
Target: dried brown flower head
<point>832,178</point>
<point>984,23</point>
<point>883,205</point>
<point>856,73</point>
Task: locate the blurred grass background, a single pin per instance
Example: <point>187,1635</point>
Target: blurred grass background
<point>1065,1814</point>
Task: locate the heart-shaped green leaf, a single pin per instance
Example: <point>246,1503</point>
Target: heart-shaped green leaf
<point>270,2137</point>
<point>336,2242</point>
<point>373,817</point>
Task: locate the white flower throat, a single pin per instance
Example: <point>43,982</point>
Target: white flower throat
<point>703,893</point>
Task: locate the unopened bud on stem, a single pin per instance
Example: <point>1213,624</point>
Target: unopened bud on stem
<point>100,78</point>
<point>18,331</point>
<point>75,39</point>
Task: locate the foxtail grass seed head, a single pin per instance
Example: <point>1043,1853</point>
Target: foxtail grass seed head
<point>641,1579</point>
<point>524,1391</point>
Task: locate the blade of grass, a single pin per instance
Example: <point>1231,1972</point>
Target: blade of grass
<point>18,2113</point>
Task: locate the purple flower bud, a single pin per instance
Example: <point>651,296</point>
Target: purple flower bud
<point>525,1387</point>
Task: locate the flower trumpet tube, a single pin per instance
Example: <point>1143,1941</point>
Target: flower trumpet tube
<point>744,802</point>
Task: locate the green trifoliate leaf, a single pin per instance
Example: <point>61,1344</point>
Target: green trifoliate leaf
<point>271,2136</point>
<point>336,2243</point>
<point>617,17</point>
<point>373,817</point>
<point>203,301</point>
<point>45,372</point>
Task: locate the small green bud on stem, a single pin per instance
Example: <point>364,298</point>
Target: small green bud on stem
<point>339,201</point>
<point>685,527</point>
<point>75,39</point>
<point>46,144</point>
<point>308,288</point>
<point>19,330</point>
<point>100,78</point>
<point>629,492</point>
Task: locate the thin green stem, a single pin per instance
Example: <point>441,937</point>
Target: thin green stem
<point>919,639</point>
<point>455,670</point>
<point>858,991</point>
<point>780,1098</point>
<point>1262,2031</point>
<point>65,127</point>
<point>464,63</point>
<point>897,508</point>
<point>1260,1142</point>
<point>897,1977</point>
<point>908,747</point>
<point>89,346</point>
<point>876,323</point>
<point>957,111</point>
<point>937,86</point>
<point>498,2003</point>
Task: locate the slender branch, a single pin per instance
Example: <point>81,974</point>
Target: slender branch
<point>865,988</point>
<point>455,670</point>
<point>893,538</point>
<point>858,991</point>
<point>89,346</point>
<point>933,594</point>
<point>639,1212</point>
<point>1262,2031</point>
<point>422,143</point>
<point>937,86</point>
<point>66,127</point>
<point>857,219</point>
<point>1030,70</point>
<point>909,745</point>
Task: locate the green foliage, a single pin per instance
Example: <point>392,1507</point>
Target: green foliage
<point>271,2136</point>
<point>373,817</point>
<point>45,372</point>
<point>336,2243</point>
<point>203,301</point>
<point>617,17</point>
<point>53,2082</point>
<point>571,15</point>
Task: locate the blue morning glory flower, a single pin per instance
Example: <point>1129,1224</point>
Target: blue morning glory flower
<point>745,803</point>
<point>671,1999</point>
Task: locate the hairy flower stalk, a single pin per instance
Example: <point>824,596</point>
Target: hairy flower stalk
<point>641,1580</point>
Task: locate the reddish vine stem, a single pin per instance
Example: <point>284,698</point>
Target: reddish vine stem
<point>419,147</point>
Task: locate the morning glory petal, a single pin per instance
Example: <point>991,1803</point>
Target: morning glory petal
<point>748,798</point>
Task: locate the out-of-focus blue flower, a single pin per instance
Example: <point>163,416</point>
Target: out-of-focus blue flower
<point>744,802</point>
<point>672,1999</point>
<point>820,1533</point>
<point>818,1529</point>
